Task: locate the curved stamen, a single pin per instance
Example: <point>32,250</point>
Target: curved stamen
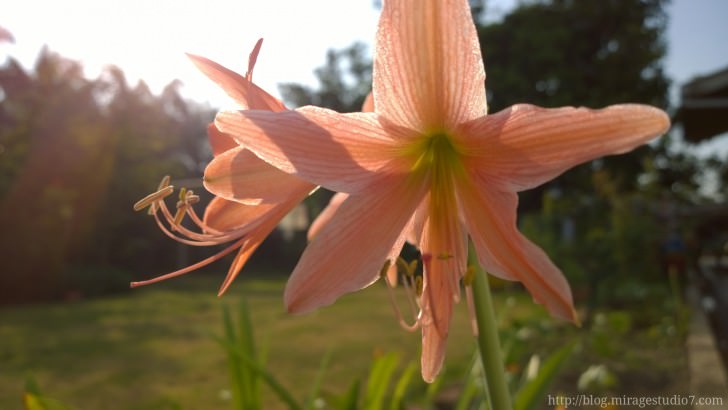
<point>175,230</point>
<point>392,299</point>
<point>186,241</point>
<point>195,236</point>
<point>196,266</point>
<point>202,225</point>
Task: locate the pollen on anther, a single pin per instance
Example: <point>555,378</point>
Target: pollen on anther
<point>469,276</point>
<point>150,199</point>
<point>445,256</point>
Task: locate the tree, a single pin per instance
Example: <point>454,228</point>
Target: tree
<point>567,52</point>
<point>77,153</point>
<point>344,82</point>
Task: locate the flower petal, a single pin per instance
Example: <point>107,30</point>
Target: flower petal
<point>428,71</point>
<point>256,237</point>
<point>242,257</point>
<point>244,92</point>
<point>333,263</point>
<point>525,146</point>
<point>368,105</point>
<point>224,215</point>
<point>219,141</point>
<point>325,216</point>
<point>238,175</point>
<point>490,217</point>
<point>444,258</point>
<point>341,152</point>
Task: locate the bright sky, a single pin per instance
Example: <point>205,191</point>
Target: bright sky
<point>148,39</point>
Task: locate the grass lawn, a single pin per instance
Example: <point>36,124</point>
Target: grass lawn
<point>150,348</point>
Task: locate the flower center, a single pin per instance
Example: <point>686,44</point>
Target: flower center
<point>438,162</point>
<point>436,153</point>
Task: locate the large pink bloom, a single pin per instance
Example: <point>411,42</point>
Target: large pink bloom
<point>244,210</point>
<point>431,165</point>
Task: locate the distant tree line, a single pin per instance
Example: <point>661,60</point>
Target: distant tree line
<point>75,154</point>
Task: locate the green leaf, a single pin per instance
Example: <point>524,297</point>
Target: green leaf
<point>33,399</point>
<point>402,384</point>
<point>432,390</point>
<point>313,395</point>
<point>474,384</point>
<point>237,371</point>
<point>530,395</point>
<point>246,339</point>
<point>350,400</point>
<point>261,372</point>
<point>380,375</point>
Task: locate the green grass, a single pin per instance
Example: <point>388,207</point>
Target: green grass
<point>150,348</point>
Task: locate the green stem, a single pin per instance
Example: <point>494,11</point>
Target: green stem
<point>488,341</point>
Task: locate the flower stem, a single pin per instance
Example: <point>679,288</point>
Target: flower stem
<point>488,341</point>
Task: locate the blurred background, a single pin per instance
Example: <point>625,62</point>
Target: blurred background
<point>97,106</point>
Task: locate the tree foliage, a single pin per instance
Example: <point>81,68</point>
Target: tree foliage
<point>344,82</point>
<point>566,52</point>
<point>76,153</point>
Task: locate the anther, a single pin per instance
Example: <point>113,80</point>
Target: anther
<point>469,276</point>
<point>418,285</point>
<point>163,184</point>
<point>150,199</point>
<point>192,199</point>
<point>181,211</point>
<point>445,256</point>
<point>408,269</point>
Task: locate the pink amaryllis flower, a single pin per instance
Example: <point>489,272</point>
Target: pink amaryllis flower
<point>431,165</point>
<point>244,210</point>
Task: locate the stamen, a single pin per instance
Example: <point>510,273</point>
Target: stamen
<point>149,200</point>
<point>202,225</point>
<point>468,278</point>
<point>171,225</point>
<point>188,269</point>
<point>392,299</point>
<point>215,238</point>
<point>187,198</point>
<point>471,309</point>
<point>164,183</point>
<point>194,239</point>
<point>180,214</point>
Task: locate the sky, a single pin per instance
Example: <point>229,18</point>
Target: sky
<point>149,39</point>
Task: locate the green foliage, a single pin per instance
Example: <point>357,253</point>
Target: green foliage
<point>530,395</point>
<point>344,82</point>
<point>247,371</point>
<point>563,53</point>
<point>380,375</point>
<point>135,343</point>
<point>34,399</point>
